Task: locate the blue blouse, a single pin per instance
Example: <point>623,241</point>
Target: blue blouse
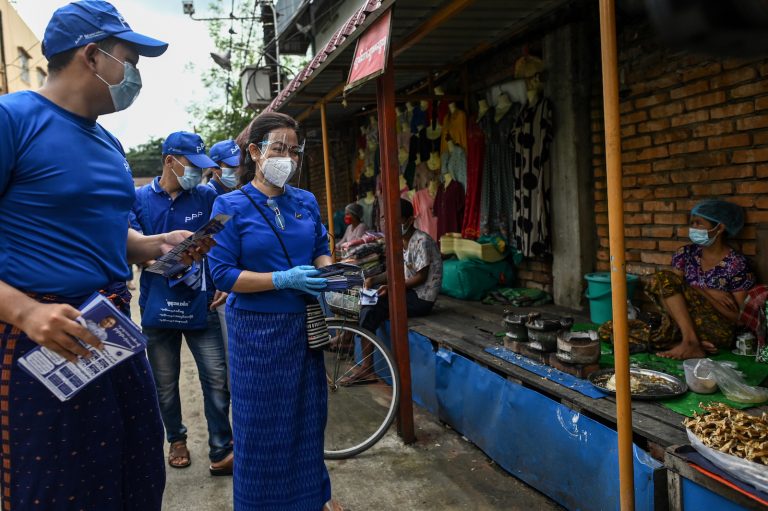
<point>247,243</point>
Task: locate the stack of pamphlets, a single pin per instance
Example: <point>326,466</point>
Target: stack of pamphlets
<point>342,276</point>
<point>120,336</point>
<point>170,265</point>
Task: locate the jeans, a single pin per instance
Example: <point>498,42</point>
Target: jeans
<point>207,347</point>
<point>222,312</point>
<point>372,316</point>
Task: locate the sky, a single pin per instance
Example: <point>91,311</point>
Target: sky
<point>169,85</point>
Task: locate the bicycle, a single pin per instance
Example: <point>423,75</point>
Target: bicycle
<point>363,382</point>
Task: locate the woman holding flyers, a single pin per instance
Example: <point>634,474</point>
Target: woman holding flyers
<point>266,258</point>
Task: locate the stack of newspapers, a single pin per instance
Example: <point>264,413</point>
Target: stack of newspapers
<point>342,276</point>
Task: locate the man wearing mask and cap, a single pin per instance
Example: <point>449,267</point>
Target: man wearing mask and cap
<point>65,195</point>
<point>177,200</point>
<point>226,154</point>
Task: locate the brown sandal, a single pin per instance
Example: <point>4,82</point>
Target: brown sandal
<point>178,455</point>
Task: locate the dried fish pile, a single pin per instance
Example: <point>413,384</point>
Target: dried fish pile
<point>731,431</point>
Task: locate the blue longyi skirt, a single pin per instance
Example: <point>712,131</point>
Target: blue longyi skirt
<point>279,410</point>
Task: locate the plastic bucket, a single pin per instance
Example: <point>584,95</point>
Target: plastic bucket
<point>599,295</point>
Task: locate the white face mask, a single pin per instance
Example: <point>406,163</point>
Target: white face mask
<point>278,170</point>
<point>228,177</point>
<point>124,93</point>
<point>191,178</point>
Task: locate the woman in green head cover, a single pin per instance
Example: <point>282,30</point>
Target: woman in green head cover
<point>702,295</point>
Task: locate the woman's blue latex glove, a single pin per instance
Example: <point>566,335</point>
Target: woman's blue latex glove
<point>300,278</point>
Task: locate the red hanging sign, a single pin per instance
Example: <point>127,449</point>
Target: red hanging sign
<point>371,52</point>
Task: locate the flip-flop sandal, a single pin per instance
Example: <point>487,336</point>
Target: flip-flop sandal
<point>178,451</point>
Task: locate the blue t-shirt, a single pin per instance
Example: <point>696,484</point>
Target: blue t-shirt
<point>65,193</point>
<point>247,243</point>
<point>155,212</point>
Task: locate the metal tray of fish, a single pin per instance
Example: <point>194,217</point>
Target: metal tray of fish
<point>645,384</point>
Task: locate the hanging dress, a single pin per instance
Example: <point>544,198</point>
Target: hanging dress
<point>423,212</point>
<point>531,139</point>
<point>475,155</point>
<point>449,208</point>
<point>498,180</point>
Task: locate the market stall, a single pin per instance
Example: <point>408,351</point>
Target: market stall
<point>480,125</point>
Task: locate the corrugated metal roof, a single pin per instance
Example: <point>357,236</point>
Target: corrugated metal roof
<point>482,24</point>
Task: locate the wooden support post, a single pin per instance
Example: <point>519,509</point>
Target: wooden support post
<point>327,167</point>
<point>617,258</point>
<point>398,316</point>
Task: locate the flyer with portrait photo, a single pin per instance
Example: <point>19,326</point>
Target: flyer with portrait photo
<point>121,337</point>
<point>170,265</point>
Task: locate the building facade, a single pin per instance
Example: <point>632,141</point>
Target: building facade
<point>22,65</point>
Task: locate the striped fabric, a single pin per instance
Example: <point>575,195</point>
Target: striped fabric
<point>102,450</point>
<point>279,409</point>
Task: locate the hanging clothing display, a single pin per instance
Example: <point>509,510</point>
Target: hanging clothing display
<point>531,138</point>
<point>496,208</point>
<point>475,154</point>
<point>449,208</point>
<point>434,124</point>
<point>455,129</point>
<point>454,162</point>
<point>423,213</point>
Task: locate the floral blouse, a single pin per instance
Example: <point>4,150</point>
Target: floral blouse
<point>730,274</point>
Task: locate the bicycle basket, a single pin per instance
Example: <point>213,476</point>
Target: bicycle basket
<point>344,303</point>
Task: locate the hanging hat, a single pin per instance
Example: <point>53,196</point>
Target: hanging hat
<point>527,66</point>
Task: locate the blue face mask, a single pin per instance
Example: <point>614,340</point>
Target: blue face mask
<point>191,178</point>
<point>124,93</point>
<point>228,177</point>
<point>701,236</point>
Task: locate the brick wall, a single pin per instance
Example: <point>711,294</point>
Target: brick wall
<point>692,127</point>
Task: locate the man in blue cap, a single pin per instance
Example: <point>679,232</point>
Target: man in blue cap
<point>66,191</point>
<point>224,177</point>
<point>177,200</point>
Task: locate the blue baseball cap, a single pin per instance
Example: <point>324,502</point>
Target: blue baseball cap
<point>226,151</point>
<point>189,145</point>
<point>89,21</point>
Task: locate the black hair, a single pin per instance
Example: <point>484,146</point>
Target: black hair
<point>256,132</point>
<point>61,60</point>
<point>406,209</point>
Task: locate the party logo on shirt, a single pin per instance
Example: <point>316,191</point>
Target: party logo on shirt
<point>193,216</point>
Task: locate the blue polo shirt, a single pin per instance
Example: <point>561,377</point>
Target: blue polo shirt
<point>247,243</point>
<point>155,212</point>
<point>65,193</point>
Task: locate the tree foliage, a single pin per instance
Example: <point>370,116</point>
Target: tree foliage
<point>222,115</point>
<point>146,159</point>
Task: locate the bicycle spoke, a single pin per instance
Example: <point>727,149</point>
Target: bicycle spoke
<point>363,390</point>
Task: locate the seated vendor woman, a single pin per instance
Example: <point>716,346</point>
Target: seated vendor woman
<point>703,293</point>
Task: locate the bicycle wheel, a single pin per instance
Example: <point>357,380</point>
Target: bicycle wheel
<point>363,390</point>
